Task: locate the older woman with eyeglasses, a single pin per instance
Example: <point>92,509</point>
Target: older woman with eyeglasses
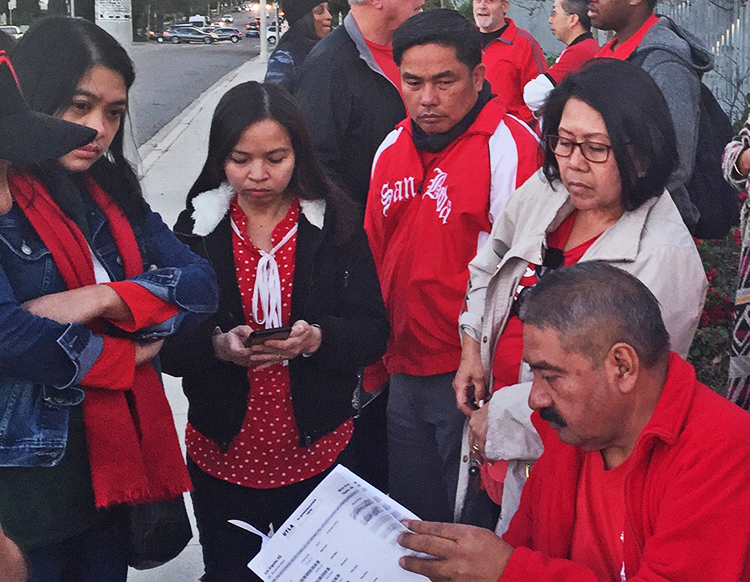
<point>600,196</point>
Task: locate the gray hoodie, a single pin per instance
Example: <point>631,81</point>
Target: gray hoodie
<point>676,60</point>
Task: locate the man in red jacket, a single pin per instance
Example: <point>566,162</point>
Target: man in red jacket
<point>438,181</point>
<point>513,57</point>
<point>645,470</point>
<point>570,23</point>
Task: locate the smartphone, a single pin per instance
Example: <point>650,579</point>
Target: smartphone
<point>261,335</point>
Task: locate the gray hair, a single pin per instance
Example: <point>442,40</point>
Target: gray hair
<point>593,306</point>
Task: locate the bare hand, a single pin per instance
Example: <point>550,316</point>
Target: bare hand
<point>82,305</point>
<point>478,432</point>
<point>304,339</point>
<point>743,162</point>
<point>147,351</point>
<point>230,346</point>
<point>12,564</point>
<point>469,375</point>
<point>464,553</point>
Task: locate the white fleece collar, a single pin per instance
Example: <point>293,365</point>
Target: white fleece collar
<point>211,206</point>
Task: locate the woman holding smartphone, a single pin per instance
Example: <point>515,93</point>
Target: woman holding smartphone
<point>269,417</point>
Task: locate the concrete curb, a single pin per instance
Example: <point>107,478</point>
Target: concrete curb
<point>151,151</point>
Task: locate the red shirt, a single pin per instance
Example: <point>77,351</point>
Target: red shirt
<point>598,531</point>
<point>383,55</point>
<point>623,50</point>
<point>265,453</point>
<point>512,60</point>
<point>506,365</point>
<point>575,55</point>
<point>686,512</point>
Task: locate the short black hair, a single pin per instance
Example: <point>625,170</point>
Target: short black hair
<point>637,120</point>
<point>581,9</point>
<point>593,306</point>
<point>441,26</point>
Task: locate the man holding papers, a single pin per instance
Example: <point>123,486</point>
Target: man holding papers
<point>644,471</point>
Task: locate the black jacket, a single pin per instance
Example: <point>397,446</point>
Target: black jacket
<point>335,286</point>
<point>349,106</point>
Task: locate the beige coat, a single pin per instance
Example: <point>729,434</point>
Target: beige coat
<point>651,242</point>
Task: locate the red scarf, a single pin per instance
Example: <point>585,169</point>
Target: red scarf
<point>133,448</point>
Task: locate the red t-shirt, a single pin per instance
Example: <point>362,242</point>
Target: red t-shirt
<point>600,518</point>
<point>509,352</point>
<point>383,55</point>
<point>506,365</point>
<point>265,454</point>
<point>623,50</point>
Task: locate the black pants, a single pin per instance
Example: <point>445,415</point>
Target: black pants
<point>226,548</point>
<point>369,444</point>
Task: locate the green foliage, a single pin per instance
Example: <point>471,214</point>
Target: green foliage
<point>709,352</point>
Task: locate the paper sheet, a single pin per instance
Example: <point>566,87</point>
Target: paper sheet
<point>345,531</point>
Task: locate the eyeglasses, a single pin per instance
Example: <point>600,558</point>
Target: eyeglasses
<point>593,151</point>
<point>553,259</point>
<point>555,13</point>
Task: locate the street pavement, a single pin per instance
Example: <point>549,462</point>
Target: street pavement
<point>170,163</point>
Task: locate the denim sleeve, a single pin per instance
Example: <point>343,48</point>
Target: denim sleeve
<point>181,278</point>
<point>39,350</point>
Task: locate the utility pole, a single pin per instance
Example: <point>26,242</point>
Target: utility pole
<point>264,33</point>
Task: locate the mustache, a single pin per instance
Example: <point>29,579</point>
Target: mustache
<point>550,414</point>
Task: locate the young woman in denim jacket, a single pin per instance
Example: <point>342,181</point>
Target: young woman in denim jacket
<point>91,281</point>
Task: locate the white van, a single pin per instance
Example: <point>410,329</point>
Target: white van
<point>198,21</point>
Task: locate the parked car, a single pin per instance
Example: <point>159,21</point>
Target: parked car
<point>224,33</point>
<point>13,31</point>
<point>178,34</point>
<point>227,18</point>
<point>270,33</point>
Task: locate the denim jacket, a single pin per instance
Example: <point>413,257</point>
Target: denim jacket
<point>42,362</point>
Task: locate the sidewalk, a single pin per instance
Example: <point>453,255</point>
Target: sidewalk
<point>171,161</point>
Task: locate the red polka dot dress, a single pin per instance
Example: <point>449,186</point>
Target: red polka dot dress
<point>265,454</point>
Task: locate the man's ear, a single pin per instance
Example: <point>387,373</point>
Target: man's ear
<point>377,4</point>
<point>623,367</point>
<point>477,76</point>
<point>506,6</point>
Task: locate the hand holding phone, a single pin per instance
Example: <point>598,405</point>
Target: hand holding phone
<point>260,336</point>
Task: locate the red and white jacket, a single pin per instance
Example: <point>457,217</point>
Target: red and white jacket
<point>512,60</point>
<point>426,223</point>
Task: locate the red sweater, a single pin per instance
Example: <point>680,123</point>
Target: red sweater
<point>687,512</point>
<point>575,55</point>
<point>513,59</point>
<point>425,224</point>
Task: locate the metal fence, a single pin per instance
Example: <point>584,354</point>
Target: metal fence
<point>723,26</point>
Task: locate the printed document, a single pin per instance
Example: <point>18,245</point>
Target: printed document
<point>345,531</point>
